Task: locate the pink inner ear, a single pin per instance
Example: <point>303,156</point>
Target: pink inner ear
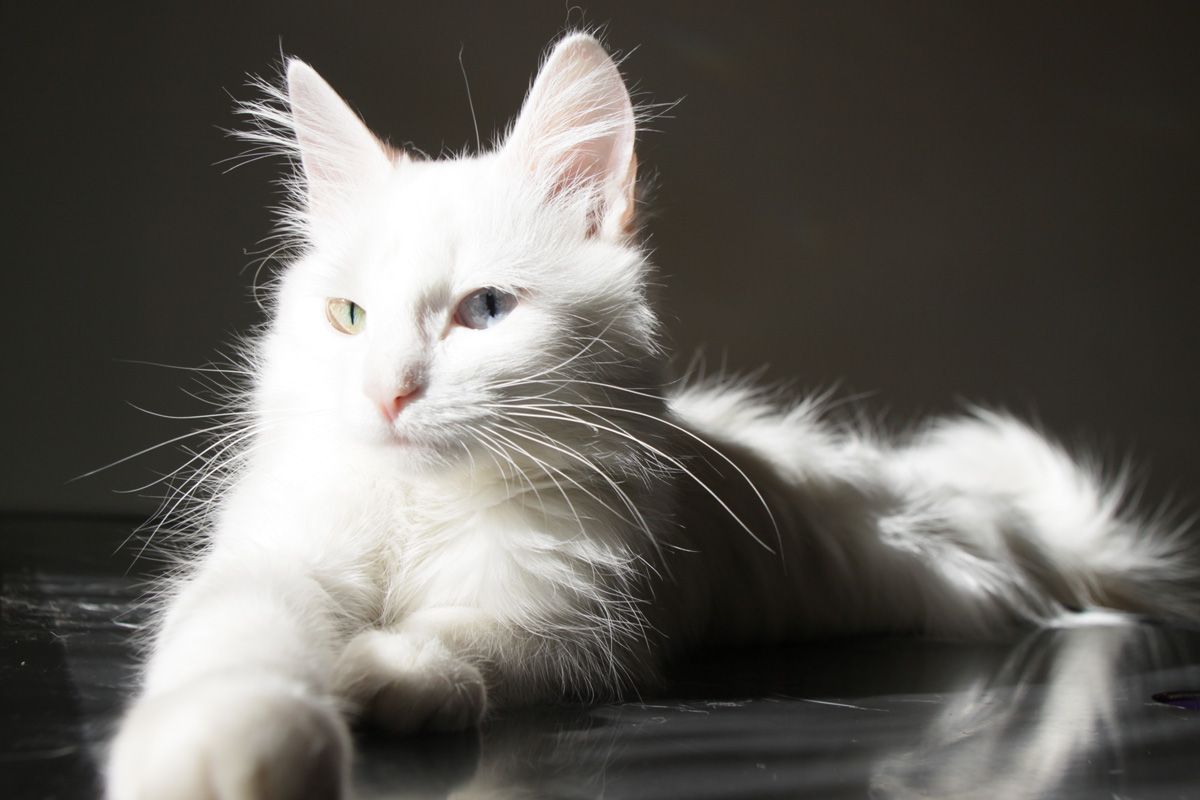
<point>338,153</point>
<point>626,219</point>
<point>576,131</point>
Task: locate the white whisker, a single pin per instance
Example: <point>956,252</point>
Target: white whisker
<point>556,414</point>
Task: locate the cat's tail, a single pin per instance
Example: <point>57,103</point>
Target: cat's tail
<point>1079,537</point>
<point>970,524</point>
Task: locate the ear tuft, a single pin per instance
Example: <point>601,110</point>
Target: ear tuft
<point>338,154</point>
<point>576,132</point>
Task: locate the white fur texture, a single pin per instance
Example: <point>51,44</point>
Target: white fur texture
<point>551,515</point>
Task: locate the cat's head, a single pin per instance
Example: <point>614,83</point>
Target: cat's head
<point>435,294</point>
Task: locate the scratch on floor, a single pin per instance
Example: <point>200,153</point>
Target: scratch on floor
<point>839,705</point>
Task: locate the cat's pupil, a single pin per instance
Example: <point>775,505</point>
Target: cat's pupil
<point>484,307</point>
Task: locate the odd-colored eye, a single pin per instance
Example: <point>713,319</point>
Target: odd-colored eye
<point>345,315</point>
<point>483,308</point>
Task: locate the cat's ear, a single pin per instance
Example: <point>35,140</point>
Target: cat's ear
<point>338,154</point>
<point>576,133</point>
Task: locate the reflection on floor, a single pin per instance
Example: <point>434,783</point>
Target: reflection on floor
<point>1064,713</point>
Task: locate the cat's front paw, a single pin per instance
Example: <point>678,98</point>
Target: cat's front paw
<point>404,684</point>
<point>226,737</point>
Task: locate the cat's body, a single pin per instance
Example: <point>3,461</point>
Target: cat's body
<point>477,499</point>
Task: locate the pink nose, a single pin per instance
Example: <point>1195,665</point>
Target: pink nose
<point>392,408</point>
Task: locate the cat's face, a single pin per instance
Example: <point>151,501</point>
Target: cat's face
<point>438,295</point>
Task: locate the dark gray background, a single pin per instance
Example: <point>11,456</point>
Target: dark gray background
<point>926,202</point>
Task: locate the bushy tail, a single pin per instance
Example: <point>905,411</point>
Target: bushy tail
<point>1085,545</point>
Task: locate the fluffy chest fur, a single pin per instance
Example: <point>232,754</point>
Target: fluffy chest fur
<point>530,537</point>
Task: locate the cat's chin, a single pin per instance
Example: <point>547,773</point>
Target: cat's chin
<point>377,434</point>
<point>412,454</point>
<point>395,443</point>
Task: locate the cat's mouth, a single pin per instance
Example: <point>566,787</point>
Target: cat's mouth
<point>396,438</point>
<point>411,439</point>
<point>384,434</point>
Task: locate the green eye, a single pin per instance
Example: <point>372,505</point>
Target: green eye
<point>345,315</point>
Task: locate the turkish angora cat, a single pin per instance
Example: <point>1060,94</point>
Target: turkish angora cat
<point>464,478</point>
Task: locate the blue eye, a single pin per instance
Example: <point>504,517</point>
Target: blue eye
<point>483,308</point>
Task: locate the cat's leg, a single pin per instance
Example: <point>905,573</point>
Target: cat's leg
<point>444,667</point>
<point>237,700</point>
<point>414,675</point>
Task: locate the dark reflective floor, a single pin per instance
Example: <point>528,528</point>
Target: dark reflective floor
<point>1066,713</point>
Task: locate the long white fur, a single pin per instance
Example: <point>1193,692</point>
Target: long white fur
<point>553,515</point>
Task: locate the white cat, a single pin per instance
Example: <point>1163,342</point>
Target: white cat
<point>463,477</point>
